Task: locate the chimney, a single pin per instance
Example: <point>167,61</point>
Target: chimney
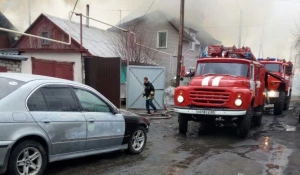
<point>88,15</point>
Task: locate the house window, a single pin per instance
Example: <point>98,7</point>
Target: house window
<point>192,46</point>
<point>162,39</point>
<point>45,35</point>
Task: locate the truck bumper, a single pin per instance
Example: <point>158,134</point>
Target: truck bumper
<point>212,112</point>
<point>5,147</point>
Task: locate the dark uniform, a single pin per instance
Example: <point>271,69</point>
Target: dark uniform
<point>149,93</point>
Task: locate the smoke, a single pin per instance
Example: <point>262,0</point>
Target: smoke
<point>106,10</point>
<point>269,21</point>
<point>220,18</point>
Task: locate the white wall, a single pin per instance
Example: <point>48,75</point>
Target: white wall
<point>296,85</point>
<point>26,66</point>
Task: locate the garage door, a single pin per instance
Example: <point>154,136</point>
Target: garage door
<point>53,68</point>
<point>3,69</point>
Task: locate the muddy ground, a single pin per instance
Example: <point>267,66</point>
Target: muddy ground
<point>272,148</point>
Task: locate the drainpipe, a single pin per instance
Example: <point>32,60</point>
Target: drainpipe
<point>79,14</point>
<point>88,15</point>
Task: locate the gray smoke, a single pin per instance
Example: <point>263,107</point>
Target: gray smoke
<point>220,18</point>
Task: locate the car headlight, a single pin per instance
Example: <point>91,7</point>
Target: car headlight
<point>180,99</point>
<point>238,102</point>
<point>273,94</point>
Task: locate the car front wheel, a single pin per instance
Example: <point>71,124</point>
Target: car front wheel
<point>137,140</point>
<point>28,158</point>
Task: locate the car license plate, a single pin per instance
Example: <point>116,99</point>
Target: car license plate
<point>207,112</point>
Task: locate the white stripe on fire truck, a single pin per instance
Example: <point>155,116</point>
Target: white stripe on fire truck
<point>206,80</point>
<point>216,81</point>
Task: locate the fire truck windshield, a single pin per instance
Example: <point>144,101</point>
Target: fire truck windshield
<point>234,69</point>
<point>273,67</point>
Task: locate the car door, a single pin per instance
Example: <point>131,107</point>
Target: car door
<point>104,128</point>
<point>55,109</point>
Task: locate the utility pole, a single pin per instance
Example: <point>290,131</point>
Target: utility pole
<point>120,17</point>
<point>261,42</point>
<point>179,57</point>
<point>291,51</point>
<point>240,32</point>
<point>29,11</point>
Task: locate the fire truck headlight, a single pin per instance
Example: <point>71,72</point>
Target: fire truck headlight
<point>273,94</point>
<point>238,102</point>
<point>180,99</point>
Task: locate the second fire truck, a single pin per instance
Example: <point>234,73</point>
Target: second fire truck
<point>228,87</point>
<point>278,89</point>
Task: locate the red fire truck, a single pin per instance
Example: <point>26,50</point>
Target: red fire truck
<point>228,87</point>
<point>278,90</point>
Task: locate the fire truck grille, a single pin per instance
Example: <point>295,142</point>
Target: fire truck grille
<point>208,97</point>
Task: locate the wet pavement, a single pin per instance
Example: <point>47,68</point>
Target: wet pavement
<point>271,149</point>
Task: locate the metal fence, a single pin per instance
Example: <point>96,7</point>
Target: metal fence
<point>103,74</point>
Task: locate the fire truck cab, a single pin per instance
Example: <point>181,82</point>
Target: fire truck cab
<point>228,88</point>
<point>278,91</point>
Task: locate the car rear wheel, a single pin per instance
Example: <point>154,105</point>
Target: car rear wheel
<point>28,158</point>
<point>137,140</point>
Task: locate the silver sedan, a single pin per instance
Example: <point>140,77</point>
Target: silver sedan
<point>44,119</point>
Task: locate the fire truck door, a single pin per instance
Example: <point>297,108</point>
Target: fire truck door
<point>252,79</point>
<point>257,82</point>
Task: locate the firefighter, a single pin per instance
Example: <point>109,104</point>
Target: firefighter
<point>149,93</point>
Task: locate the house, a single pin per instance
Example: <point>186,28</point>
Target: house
<point>60,60</point>
<point>6,38</point>
<point>10,60</point>
<point>77,61</point>
<point>163,33</point>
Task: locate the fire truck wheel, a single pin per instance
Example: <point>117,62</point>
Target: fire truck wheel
<point>287,104</point>
<point>278,106</point>
<point>257,117</point>
<point>245,123</point>
<point>183,123</point>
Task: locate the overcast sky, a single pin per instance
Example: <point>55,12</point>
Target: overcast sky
<point>277,17</point>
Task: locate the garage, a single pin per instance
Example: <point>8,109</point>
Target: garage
<point>3,69</point>
<point>52,68</point>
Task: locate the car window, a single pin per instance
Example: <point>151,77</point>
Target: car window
<point>59,99</point>
<point>8,86</point>
<point>91,102</point>
<point>36,102</point>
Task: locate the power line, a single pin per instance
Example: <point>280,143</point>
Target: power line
<point>149,9</point>
<point>74,8</point>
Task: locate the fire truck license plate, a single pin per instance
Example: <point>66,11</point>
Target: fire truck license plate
<point>205,112</point>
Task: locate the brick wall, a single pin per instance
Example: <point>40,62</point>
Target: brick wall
<point>12,66</point>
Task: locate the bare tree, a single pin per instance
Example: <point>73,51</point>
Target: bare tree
<point>141,45</point>
<point>296,58</point>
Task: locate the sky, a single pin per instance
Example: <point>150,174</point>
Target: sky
<point>272,22</point>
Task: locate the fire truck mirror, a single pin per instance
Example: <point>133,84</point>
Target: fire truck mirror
<point>288,70</point>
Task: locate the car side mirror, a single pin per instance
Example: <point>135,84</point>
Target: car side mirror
<point>115,111</point>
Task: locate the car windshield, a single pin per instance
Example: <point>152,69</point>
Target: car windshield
<point>8,86</point>
<point>234,69</point>
<point>273,67</point>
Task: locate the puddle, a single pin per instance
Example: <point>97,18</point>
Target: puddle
<point>290,128</point>
<point>272,155</point>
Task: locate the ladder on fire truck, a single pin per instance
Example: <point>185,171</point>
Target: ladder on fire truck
<point>230,52</point>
